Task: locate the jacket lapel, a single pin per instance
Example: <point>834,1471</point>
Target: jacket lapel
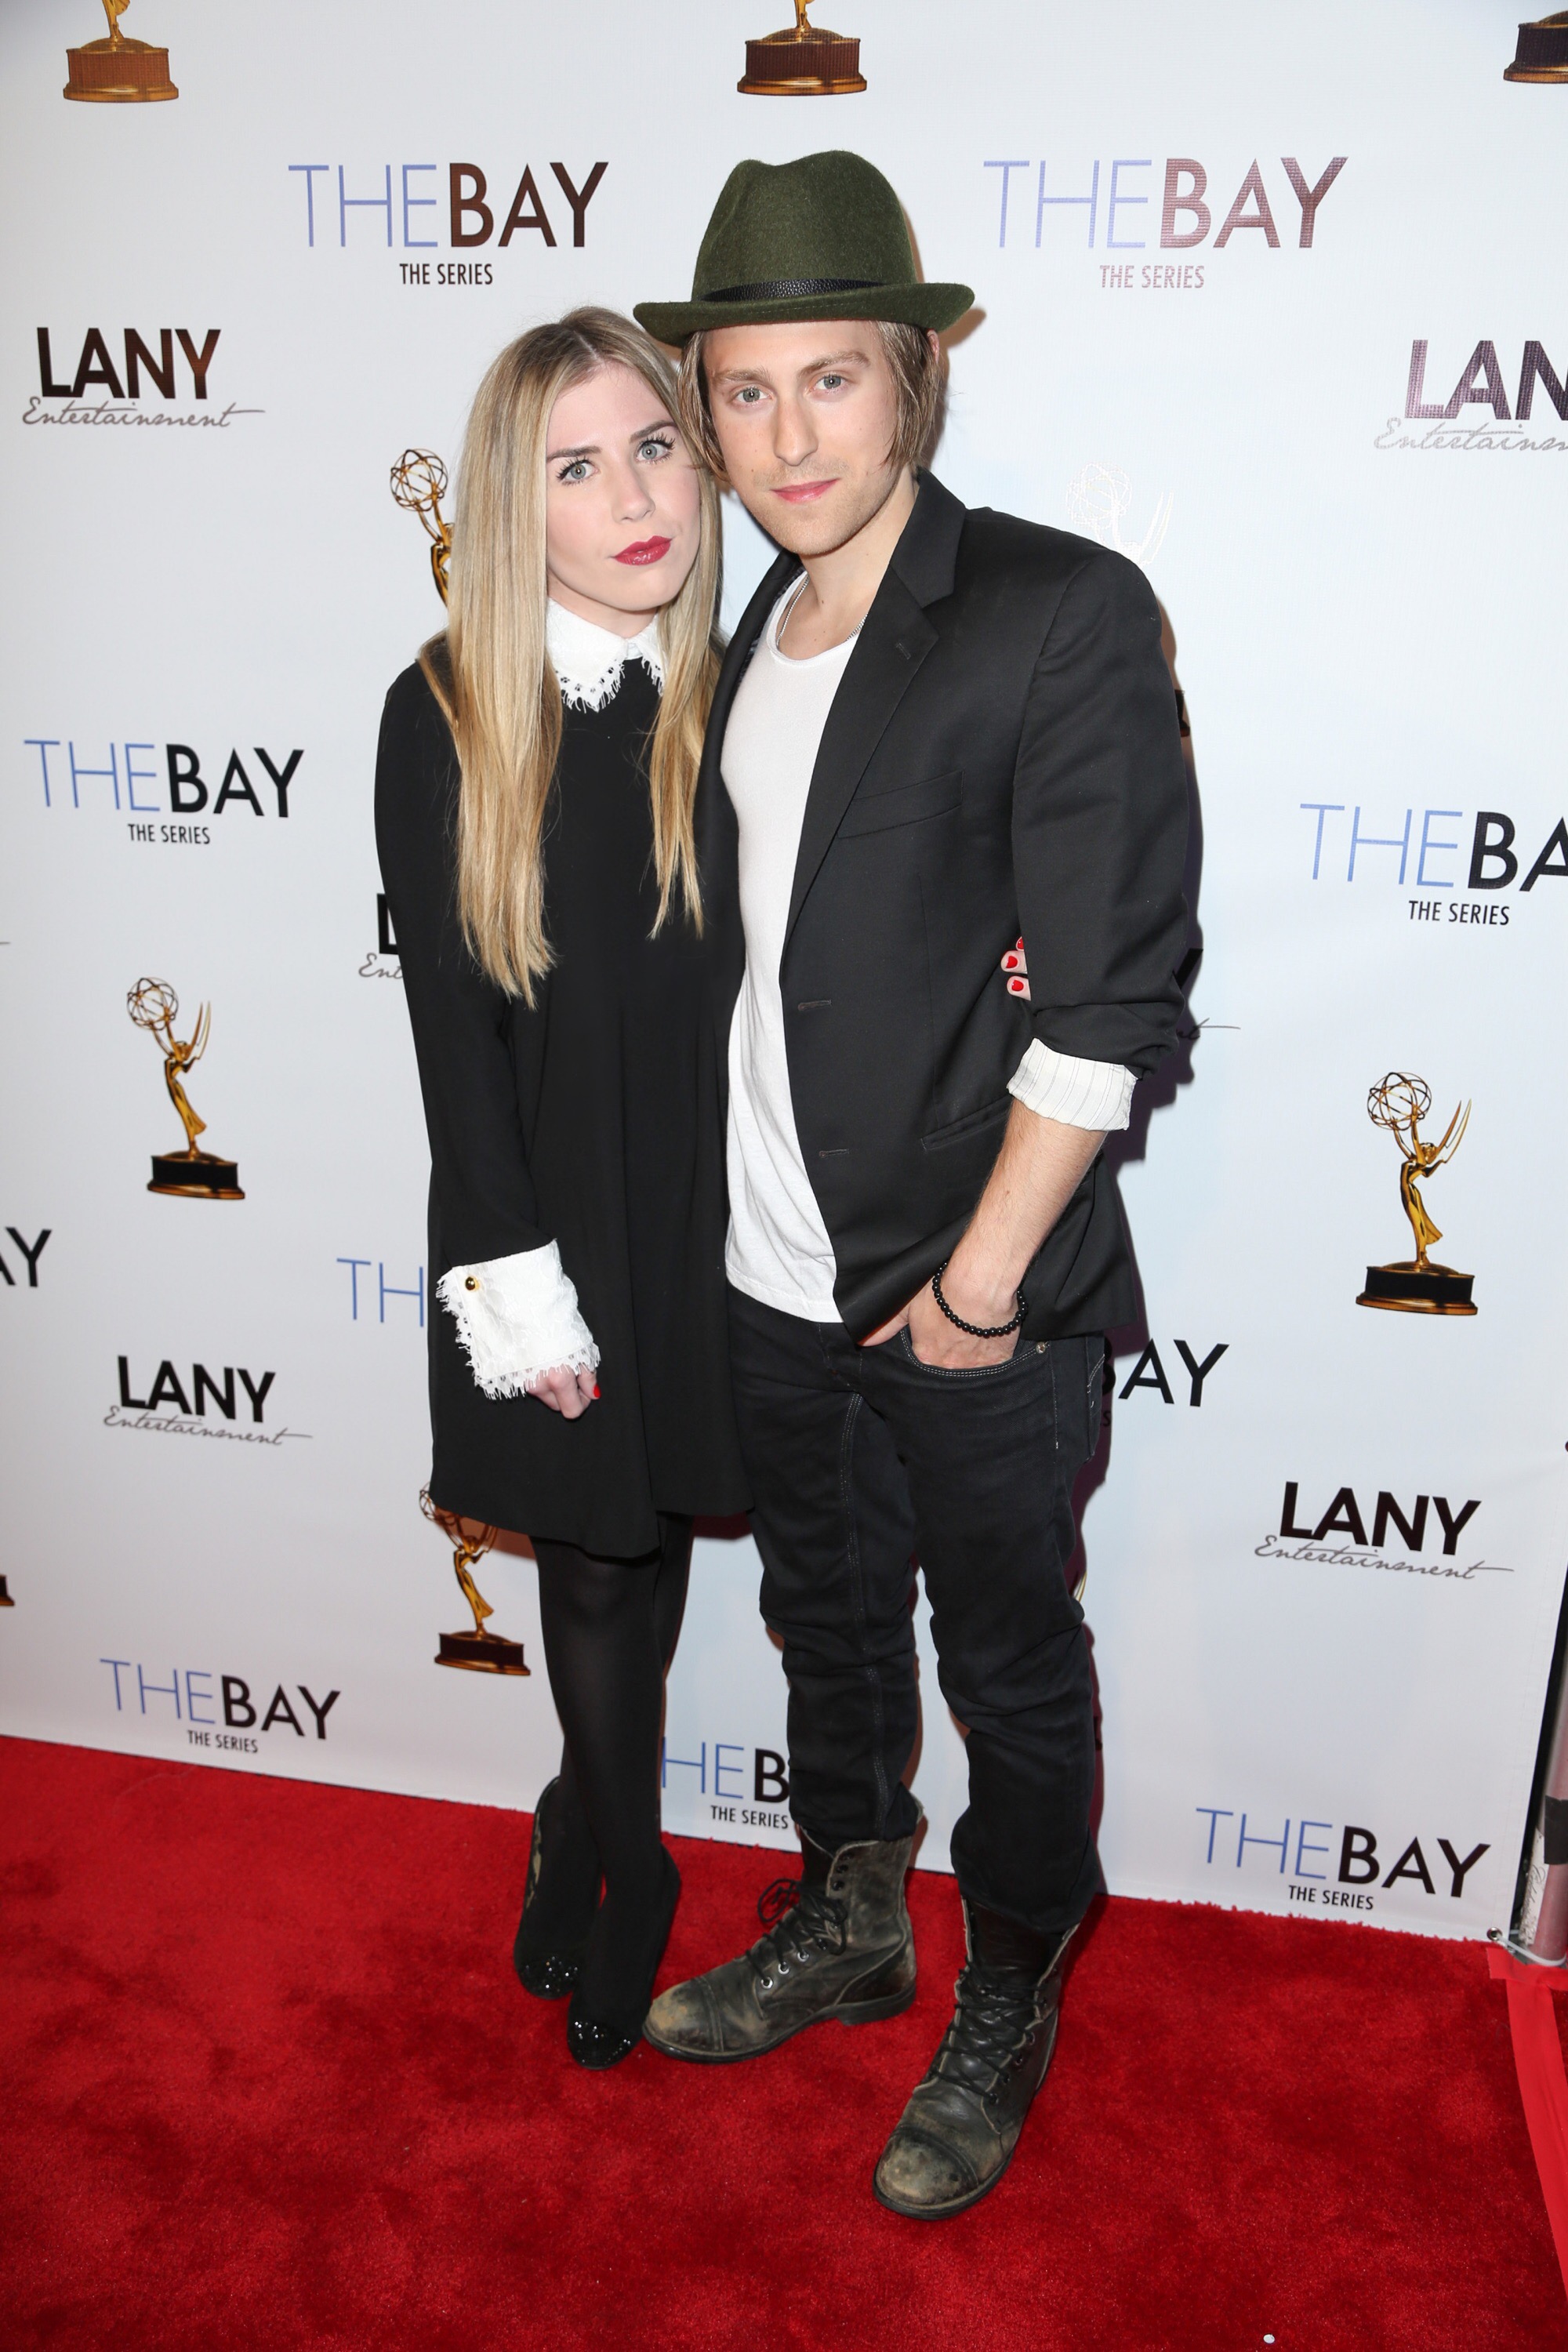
<point>895,638</point>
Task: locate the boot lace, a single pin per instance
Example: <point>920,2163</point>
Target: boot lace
<point>781,1895</point>
<point>997,2015</point>
<point>801,1921</point>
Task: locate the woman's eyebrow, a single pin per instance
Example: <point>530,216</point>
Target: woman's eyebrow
<point>591,448</point>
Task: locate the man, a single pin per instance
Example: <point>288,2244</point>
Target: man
<point>935,731</point>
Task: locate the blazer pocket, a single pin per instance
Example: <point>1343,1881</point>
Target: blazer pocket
<point>973,1123</point>
<point>903,803</point>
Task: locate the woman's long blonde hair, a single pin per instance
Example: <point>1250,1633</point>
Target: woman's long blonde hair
<point>491,672</point>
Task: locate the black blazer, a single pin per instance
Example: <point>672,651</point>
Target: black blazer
<point>1001,758</point>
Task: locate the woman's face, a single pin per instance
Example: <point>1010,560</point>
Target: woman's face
<point>622,512</point>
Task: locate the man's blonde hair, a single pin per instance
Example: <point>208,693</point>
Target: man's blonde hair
<point>920,381</point>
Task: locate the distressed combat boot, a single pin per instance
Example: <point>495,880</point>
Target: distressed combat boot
<point>956,2137</point>
<point>840,1944</point>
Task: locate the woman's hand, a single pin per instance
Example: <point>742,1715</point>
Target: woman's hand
<point>564,1392</point>
<point>1016,964</point>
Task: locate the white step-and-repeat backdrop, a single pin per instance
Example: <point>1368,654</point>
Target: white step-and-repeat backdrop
<point>1273,302</point>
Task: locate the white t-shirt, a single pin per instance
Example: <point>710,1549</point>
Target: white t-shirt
<point>778,1250</point>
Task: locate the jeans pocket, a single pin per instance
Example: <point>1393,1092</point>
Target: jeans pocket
<point>1094,1393</point>
<point>1025,1351</point>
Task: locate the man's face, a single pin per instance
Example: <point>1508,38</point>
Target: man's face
<point>804,414</point>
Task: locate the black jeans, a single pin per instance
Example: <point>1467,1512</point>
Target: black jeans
<point>859,1457</point>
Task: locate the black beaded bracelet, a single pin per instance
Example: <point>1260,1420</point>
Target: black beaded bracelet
<point>975,1330</point>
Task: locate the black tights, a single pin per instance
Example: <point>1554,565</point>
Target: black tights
<point>609,1627</point>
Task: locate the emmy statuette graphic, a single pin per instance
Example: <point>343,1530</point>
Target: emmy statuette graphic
<point>119,71</point>
<point>1415,1285</point>
<point>802,62</point>
<point>481,1652</point>
<point>418,480</point>
<point>1542,53</point>
<point>194,1175</point>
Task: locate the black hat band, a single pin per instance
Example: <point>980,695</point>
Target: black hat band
<point>790,290</point>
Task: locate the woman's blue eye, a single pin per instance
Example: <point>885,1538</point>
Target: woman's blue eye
<point>653,449</point>
<point>577,471</point>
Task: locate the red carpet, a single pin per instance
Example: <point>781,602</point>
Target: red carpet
<point>268,2082</point>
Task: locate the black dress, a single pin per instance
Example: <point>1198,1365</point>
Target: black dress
<point>591,1120</point>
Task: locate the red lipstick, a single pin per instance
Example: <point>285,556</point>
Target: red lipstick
<point>646,550</point>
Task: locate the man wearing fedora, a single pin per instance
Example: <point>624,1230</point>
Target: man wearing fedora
<point>936,732</point>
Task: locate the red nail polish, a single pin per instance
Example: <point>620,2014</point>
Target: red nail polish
<point>1015,987</point>
<point>595,1388</point>
<point>1019,943</point>
<point>1009,963</point>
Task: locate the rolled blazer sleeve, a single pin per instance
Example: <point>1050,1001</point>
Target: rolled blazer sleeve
<point>1100,825</point>
<point>462,1021</point>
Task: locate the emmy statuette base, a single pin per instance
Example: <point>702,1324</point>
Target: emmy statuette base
<point>482,1654</point>
<point>815,64</point>
<point>195,1176</point>
<point>1542,51</point>
<point>1410,1289</point>
<point>129,73</point>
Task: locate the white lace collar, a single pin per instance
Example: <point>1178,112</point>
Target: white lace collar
<point>588,660</point>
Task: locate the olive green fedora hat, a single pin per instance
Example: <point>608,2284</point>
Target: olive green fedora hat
<point>822,238</point>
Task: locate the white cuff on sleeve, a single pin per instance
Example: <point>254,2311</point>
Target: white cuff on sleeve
<point>517,1317</point>
<point>1096,1095</point>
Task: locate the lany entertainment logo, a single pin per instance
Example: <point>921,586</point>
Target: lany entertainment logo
<point>176,1407</point>
<point>1481,385</point>
<point>122,387</point>
<point>1305,1540</point>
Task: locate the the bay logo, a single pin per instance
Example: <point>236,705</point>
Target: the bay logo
<point>143,782</point>
<point>240,1707</point>
<point>1356,1863</point>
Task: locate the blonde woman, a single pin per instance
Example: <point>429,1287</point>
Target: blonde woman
<point>535,816</point>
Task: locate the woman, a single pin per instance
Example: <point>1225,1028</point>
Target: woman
<point>535,790</point>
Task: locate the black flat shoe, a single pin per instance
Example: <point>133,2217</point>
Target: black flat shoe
<point>598,2043</point>
<point>548,1976</point>
<point>598,2047</point>
<point>547,1955</point>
